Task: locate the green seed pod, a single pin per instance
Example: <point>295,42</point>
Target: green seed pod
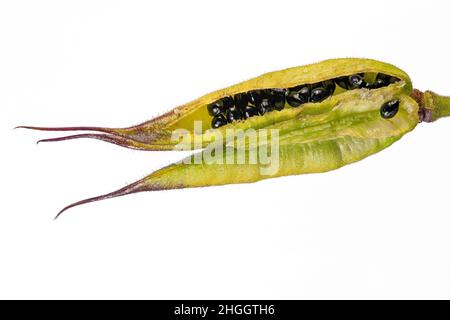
<point>315,118</point>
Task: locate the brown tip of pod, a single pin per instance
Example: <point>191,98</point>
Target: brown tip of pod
<point>133,137</point>
<point>135,187</point>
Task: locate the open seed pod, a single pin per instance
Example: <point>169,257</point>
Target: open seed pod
<point>315,118</point>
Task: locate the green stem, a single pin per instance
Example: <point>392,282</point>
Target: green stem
<point>435,106</point>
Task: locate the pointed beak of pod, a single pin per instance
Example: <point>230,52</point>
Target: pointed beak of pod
<point>134,137</point>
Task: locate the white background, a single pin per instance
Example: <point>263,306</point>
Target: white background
<point>375,229</point>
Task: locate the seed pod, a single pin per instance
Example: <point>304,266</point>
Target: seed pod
<point>320,126</point>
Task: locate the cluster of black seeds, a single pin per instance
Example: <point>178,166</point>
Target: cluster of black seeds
<point>244,105</point>
<point>356,81</point>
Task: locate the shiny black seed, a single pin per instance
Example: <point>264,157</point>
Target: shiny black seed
<point>233,114</point>
<point>250,111</point>
<point>215,108</point>
<point>241,100</point>
<point>355,81</point>
<point>304,93</point>
<point>368,85</point>
<point>389,109</point>
<point>319,94</point>
<point>255,96</point>
<point>279,103</point>
<point>293,99</point>
<point>263,109</point>
<point>330,86</point>
<point>218,121</point>
<point>383,80</point>
<point>264,106</point>
<point>386,78</point>
<point>278,92</point>
<point>265,103</point>
<point>342,82</point>
<point>298,95</point>
<point>265,94</point>
<point>227,102</point>
<point>277,99</point>
<point>379,83</point>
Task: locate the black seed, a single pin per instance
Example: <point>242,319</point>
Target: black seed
<point>355,81</point>
<point>298,95</point>
<point>319,94</point>
<point>241,100</point>
<point>233,114</point>
<point>220,106</point>
<point>263,109</point>
<point>383,80</point>
<point>250,111</point>
<point>304,94</point>
<point>255,96</point>
<point>227,102</point>
<point>266,104</point>
<point>368,85</point>
<point>277,98</point>
<point>330,86</point>
<point>386,78</point>
<point>265,94</point>
<point>379,83</point>
<point>215,108</point>
<point>218,121</point>
<point>342,82</point>
<point>293,99</point>
<point>389,109</point>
